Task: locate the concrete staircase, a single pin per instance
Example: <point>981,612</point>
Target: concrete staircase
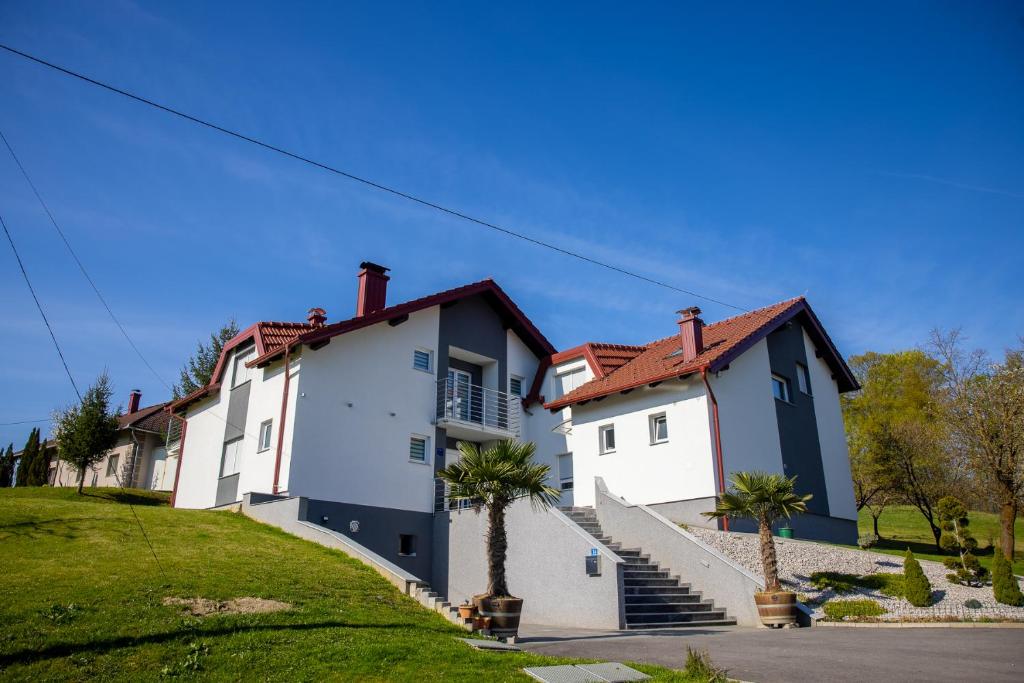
<point>653,598</point>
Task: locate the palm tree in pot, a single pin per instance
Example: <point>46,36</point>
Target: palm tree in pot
<point>494,478</point>
<point>765,498</point>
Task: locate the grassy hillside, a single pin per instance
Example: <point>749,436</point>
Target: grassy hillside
<point>82,597</point>
<point>902,526</point>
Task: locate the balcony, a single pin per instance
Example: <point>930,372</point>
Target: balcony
<point>474,413</point>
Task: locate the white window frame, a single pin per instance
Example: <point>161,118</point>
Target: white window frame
<point>430,360</point>
<point>426,449</point>
<point>602,438</point>
<point>556,380</point>
<point>112,461</point>
<point>784,383</point>
<point>565,483</point>
<point>803,379</point>
<point>266,436</point>
<point>238,363</point>
<point>240,441</point>
<point>652,424</point>
<point>521,380</point>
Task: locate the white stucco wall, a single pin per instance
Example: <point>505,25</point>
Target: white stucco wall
<point>746,410</point>
<point>641,472</point>
<point>359,453</point>
<point>202,446</point>
<point>835,457</point>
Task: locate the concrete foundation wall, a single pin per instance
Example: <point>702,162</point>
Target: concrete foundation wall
<point>546,567</point>
<point>714,575</point>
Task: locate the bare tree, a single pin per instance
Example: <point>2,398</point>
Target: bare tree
<point>985,407</point>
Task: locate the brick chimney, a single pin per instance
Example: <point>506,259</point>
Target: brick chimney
<point>317,317</point>
<point>691,333</point>
<point>373,288</point>
<point>133,401</point>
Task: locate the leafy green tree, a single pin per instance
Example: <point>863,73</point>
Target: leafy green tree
<point>1004,584</point>
<point>957,539</point>
<point>898,442</point>
<point>985,406</point>
<point>199,368</point>
<point>7,467</point>
<point>86,431</point>
<point>763,498</point>
<point>39,471</point>
<point>495,478</point>
<point>917,589</point>
<point>28,456</point>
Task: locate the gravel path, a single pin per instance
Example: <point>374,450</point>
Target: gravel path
<point>799,559</point>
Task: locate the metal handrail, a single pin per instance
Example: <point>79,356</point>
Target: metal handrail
<point>472,404</point>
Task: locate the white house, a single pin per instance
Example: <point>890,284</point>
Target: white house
<point>357,416</point>
<point>665,424</point>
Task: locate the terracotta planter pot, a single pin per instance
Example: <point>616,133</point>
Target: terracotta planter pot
<point>467,611</point>
<point>777,608</point>
<point>504,613</point>
<point>482,623</point>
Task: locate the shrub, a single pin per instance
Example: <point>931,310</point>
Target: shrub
<point>699,667</point>
<point>836,610</point>
<point>972,604</point>
<point>884,583</point>
<point>1004,583</point>
<point>916,588</point>
<point>957,539</point>
<point>867,541</point>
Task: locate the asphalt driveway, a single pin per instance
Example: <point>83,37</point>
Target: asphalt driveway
<point>807,654</point>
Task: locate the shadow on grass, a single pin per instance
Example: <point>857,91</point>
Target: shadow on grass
<point>99,646</point>
<point>917,547</point>
<point>127,497</point>
<point>60,527</point>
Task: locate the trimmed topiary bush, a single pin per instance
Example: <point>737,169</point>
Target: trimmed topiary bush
<point>957,539</point>
<point>916,588</point>
<point>1004,583</point>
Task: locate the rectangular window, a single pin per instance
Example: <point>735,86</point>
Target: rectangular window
<point>421,360</point>
<point>780,387</point>
<point>606,436</point>
<point>231,459</point>
<point>266,428</point>
<point>407,545</point>
<point>112,465</point>
<point>567,381</point>
<point>418,449</point>
<point>565,471</point>
<point>242,374</point>
<point>659,428</point>
<point>803,380</point>
<point>515,385</point>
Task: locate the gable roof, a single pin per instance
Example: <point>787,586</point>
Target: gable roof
<point>272,339</point>
<point>724,341</point>
<point>150,419</point>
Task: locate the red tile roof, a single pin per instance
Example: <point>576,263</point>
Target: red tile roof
<point>723,342</point>
<point>151,419</point>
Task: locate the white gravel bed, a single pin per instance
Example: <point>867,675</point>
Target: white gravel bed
<point>799,559</point>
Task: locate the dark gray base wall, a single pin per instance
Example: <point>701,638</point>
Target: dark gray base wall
<point>379,530</point>
<point>809,527</point>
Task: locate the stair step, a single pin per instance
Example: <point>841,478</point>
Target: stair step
<point>727,621</point>
<point>663,589</point>
<point>673,617</point>
<point>651,572</point>
<point>668,607</point>
<point>662,598</point>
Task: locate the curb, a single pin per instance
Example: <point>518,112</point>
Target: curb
<point>921,624</point>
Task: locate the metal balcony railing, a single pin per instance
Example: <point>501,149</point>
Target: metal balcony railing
<point>475,406</point>
<point>442,500</point>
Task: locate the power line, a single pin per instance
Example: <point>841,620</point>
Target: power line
<point>25,422</point>
<point>39,306</point>
<point>365,181</point>
<point>81,267</point>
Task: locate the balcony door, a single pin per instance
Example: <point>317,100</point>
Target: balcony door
<point>459,387</point>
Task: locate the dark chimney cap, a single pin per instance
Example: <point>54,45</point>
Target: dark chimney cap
<point>369,265</point>
<point>691,312</point>
<point>317,317</point>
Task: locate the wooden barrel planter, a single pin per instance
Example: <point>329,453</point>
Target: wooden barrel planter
<point>504,613</point>
<point>776,609</point>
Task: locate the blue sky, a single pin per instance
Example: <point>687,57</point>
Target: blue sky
<point>866,155</point>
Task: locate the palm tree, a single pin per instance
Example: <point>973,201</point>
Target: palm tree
<point>494,478</point>
<point>764,498</point>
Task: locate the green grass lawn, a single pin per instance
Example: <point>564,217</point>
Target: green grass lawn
<point>81,597</point>
<point>902,526</point>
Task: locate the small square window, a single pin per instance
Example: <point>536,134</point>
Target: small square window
<point>780,388</point>
<point>266,429</point>
<point>112,465</point>
<point>659,428</point>
<point>515,385</point>
<point>606,436</point>
<point>803,380</point>
<point>418,449</point>
<point>407,545</point>
<point>421,360</point>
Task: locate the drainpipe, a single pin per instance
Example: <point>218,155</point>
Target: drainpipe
<point>718,438</point>
<point>181,457</point>
<point>284,412</point>
<point>135,457</point>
